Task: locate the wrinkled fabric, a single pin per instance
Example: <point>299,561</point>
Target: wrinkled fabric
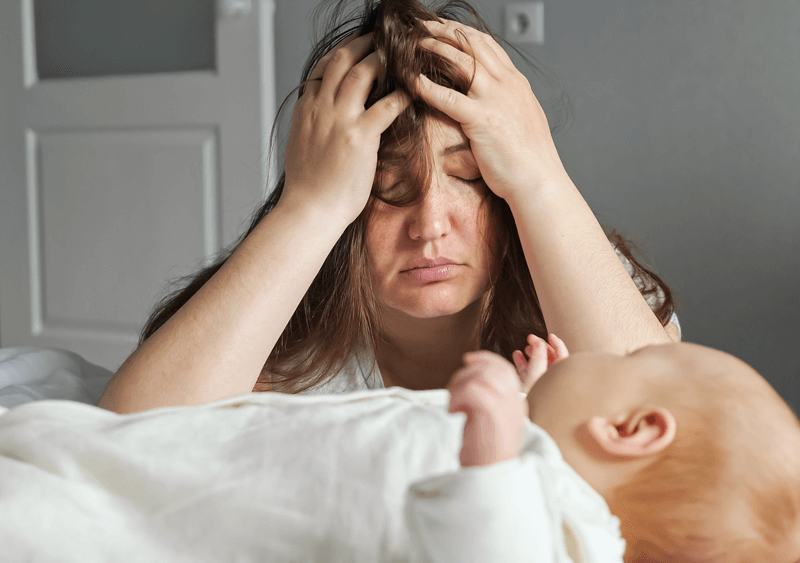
<point>370,476</point>
<point>34,374</point>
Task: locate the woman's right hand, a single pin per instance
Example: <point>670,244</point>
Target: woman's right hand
<point>332,152</point>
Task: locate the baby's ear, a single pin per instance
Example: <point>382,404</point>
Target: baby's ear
<point>644,431</point>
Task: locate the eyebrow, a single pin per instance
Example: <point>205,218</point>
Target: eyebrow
<point>455,148</point>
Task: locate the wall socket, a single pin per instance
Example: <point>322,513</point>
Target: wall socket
<point>524,22</point>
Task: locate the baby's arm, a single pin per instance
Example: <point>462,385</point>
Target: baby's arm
<point>487,389</point>
<point>497,512</point>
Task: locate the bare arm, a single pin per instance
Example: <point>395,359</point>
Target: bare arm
<point>215,346</point>
<point>585,292</point>
<point>586,295</point>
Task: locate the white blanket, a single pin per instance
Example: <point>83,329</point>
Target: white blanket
<point>32,374</point>
<point>370,476</point>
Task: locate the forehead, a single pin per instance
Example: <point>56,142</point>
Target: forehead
<point>441,130</point>
<point>443,141</point>
<point>446,143</point>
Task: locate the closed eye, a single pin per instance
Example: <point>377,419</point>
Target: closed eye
<point>473,181</point>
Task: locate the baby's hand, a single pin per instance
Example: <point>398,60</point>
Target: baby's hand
<point>487,390</point>
<point>542,354</point>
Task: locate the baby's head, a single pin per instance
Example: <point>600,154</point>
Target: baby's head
<point>692,449</point>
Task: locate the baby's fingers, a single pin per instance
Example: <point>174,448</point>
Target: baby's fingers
<point>538,363</point>
<point>558,346</point>
<point>556,349</point>
<point>533,340</point>
<point>520,362</point>
<point>533,369</point>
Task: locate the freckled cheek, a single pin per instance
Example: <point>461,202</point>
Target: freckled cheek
<point>483,233</point>
<point>381,247</point>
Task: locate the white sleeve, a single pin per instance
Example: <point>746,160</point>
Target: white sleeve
<point>489,513</point>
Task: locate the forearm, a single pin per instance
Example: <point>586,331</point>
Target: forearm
<point>215,346</point>
<point>586,295</point>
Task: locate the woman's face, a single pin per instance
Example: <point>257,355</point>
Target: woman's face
<point>432,258</point>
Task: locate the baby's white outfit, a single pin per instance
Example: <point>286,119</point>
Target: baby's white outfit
<point>366,477</point>
<point>531,509</point>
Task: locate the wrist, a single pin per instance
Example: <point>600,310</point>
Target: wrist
<point>538,189</point>
<point>322,213</point>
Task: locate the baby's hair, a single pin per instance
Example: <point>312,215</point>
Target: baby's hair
<point>673,509</point>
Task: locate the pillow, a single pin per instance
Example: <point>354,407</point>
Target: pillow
<point>33,374</point>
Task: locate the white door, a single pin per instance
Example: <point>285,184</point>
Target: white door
<point>133,139</point>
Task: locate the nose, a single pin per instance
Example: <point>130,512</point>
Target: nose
<point>430,217</point>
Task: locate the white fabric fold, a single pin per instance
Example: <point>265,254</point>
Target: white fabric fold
<point>514,511</point>
<point>273,477</point>
<point>34,374</point>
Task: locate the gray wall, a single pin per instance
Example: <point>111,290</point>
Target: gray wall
<point>685,135</point>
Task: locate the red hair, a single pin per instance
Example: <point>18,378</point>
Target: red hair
<point>722,492</point>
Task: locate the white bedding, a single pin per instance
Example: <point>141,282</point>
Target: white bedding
<point>370,476</point>
<point>32,374</point>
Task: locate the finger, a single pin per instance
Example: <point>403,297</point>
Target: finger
<point>357,83</point>
<point>537,365</point>
<point>314,80</point>
<point>533,339</point>
<point>383,112</point>
<point>482,44</point>
<point>466,62</point>
<point>341,62</point>
<point>559,346</point>
<point>310,87</point>
<point>520,363</point>
<point>453,104</point>
<point>319,69</point>
<point>552,355</point>
<point>448,27</point>
<point>522,369</point>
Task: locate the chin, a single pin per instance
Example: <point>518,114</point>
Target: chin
<point>432,312</point>
<point>432,306</point>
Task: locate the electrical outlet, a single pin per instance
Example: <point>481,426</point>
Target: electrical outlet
<point>524,22</point>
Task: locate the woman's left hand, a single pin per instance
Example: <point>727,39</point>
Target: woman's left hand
<point>507,128</point>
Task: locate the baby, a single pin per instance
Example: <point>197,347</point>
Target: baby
<point>691,449</point>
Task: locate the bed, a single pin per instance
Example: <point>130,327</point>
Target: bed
<point>262,477</point>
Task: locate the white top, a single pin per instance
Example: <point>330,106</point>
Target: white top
<point>362,372</point>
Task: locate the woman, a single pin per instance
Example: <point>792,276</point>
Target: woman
<point>420,217</point>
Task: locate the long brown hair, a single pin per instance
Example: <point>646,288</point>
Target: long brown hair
<point>339,311</point>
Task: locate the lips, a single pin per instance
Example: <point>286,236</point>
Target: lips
<point>429,270</point>
<point>430,263</point>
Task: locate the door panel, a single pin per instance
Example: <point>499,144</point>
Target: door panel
<point>111,185</point>
<point>90,283</point>
<point>121,37</point>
